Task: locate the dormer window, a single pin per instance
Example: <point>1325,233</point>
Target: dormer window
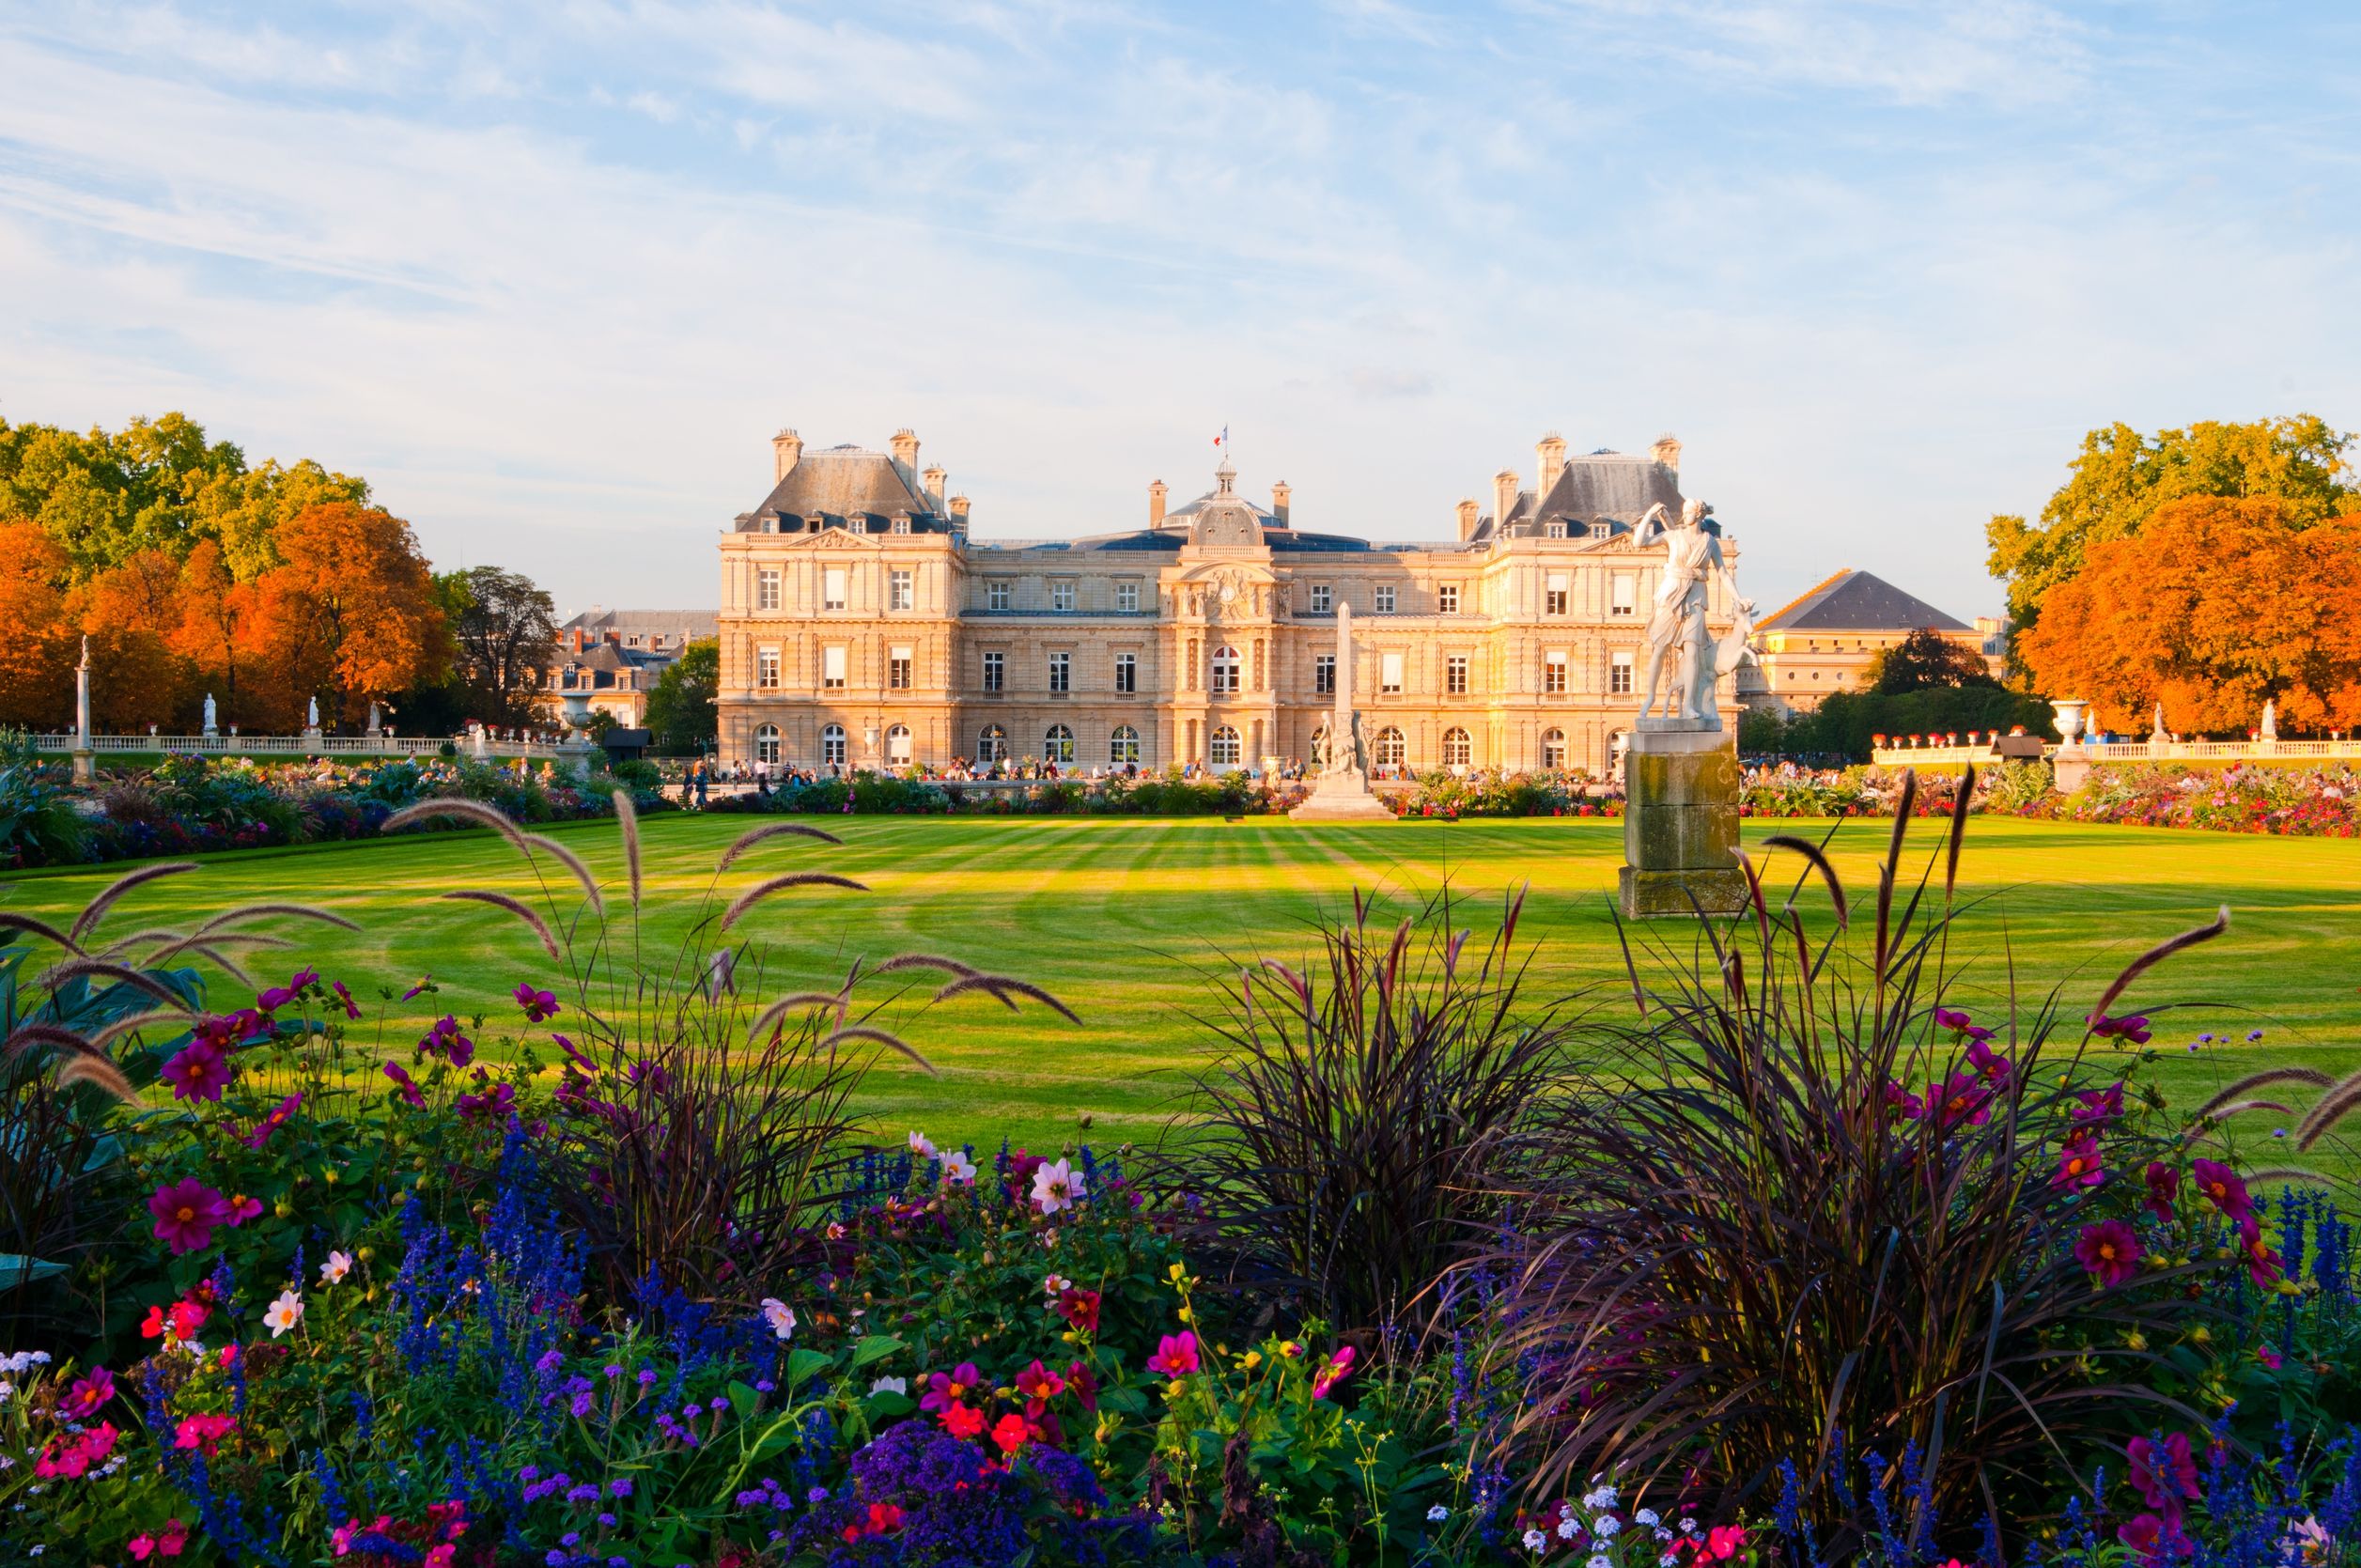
<point>1602,528</point>
<point>1555,529</point>
<point>901,526</point>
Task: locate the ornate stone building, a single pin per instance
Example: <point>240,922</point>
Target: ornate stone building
<point>862,625</point>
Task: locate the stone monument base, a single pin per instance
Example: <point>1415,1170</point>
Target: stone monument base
<point>1681,820</point>
<point>1342,797</point>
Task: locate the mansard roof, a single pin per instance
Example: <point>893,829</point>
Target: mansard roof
<point>1857,601</point>
<point>845,483</point>
<point>1617,486</point>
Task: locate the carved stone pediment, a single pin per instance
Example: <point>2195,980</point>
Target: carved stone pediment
<point>829,538</point>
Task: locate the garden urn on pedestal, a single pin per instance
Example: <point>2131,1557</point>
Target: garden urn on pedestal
<point>2073,763</point>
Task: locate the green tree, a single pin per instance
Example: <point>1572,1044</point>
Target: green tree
<point>1926,658</point>
<point>682,713</point>
<point>2121,477</point>
<point>506,628</point>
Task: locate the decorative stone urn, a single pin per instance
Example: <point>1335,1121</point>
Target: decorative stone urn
<point>2073,763</point>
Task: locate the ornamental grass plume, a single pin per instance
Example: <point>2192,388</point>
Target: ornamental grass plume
<point>1747,1242</point>
<point>705,1113</point>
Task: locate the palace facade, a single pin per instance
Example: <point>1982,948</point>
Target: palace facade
<point>864,626</point>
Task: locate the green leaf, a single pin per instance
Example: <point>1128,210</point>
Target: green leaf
<point>803,1365</point>
<point>877,1347</point>
<point>741,1399</point>
<point>890,1404</point>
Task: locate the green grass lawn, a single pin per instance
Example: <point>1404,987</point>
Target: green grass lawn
<point>1134,924</point>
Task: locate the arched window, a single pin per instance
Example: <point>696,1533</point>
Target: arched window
<point>1123,746</point>
<point>1225,668</point>
<point>992,744</point>
<point>897,745</point>
<point>1388,751</point>
<point>767,743</point>
<point>1553,749</point>
<point>833,745</point>
<point>1224,752</point>
<point>1058,745</point>
<point>1457,750</point>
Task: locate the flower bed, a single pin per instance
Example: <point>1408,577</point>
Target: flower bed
<point>2313,802</point>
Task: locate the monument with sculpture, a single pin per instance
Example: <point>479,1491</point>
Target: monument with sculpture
<point>1681,780</point>
<point>1339,791</point>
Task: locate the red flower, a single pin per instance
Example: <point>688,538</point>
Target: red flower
<point>1010,1432</point>
<point>197,1072</point>
<point>2222,1186</point>
<point>2263,1266</point>
<point>1079,1307</point>
<point>2078,1163</point>
<point>1175,1355</point>
<point>2109,1250</point>
<point>186,1213</point>
<point>1334,1373</point>
<point>1039,1385</point>
<point>962,1421</point>
<point>1085,1386</point>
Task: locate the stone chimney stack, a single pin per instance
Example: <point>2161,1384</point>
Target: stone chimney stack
<point>1504,498</point>
<point>1279,494</point>
<point>959,512</point>
<point>1551,450</point>
<point>1667,450</point>
<point>936,478</point>
<point>1156,492</point>
<point>1467,510</point>
<point>906,452</point>
<point>786,450</point>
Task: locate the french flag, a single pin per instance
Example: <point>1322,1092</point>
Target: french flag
<point>1223,439</point>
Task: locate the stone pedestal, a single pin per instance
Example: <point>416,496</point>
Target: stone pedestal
<point>2072,767</point>
<point>1681,821</point>
<point>1342,797</point>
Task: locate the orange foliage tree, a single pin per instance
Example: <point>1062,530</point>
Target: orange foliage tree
<point>2215,606</point>
<point>37,680</point>
<point>351,614</point>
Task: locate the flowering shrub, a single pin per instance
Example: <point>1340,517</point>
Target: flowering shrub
<point>2303,803</point>
<point>1167,793</point>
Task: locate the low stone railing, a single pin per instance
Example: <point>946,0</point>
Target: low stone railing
<point>292,746</point>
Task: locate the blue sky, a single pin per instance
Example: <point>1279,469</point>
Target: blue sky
<point>551,276</point>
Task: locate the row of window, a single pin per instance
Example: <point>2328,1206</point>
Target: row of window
<point>1224,747</point>
<point>999,593</point>
<point>1227,672</point>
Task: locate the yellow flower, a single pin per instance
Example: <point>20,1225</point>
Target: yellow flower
<point>1254,1360</point>
<point>1178,1272</point>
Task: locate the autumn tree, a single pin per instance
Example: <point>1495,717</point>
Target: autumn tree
<point>2120,479</point>
<point>2214,608</point>
<point>130,614</point>
<point>35,673</point>
<point>351,614</point>
<point>217,631</point>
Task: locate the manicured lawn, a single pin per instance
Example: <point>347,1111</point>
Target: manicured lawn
<point>1134,924</point>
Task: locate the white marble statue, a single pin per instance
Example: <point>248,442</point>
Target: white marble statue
<point>209,713</point>
<point>311,714</point>
<point>1344,737</point>
<point>1676,627</point>
<point>2270,720</point>
<point>2159,735</point>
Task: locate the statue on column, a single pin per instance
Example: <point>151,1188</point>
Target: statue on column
<point>2270,715</point>
<point>311,714</point>
<point>1676,627</point>
<point>210,715</point>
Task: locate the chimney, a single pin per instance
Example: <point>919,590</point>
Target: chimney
<point>1467,510</point>
<point>1156,503</point>
<point>1667,450</point>
<point>1279,494</point>
<point>959,512</point>
<point>1551,450</point>
<point>1504,498</point>
<point>786,450</point>
<point>935,478</point>
<point>906,452</point>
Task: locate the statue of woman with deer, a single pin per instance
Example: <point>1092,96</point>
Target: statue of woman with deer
<point>1676,625</point>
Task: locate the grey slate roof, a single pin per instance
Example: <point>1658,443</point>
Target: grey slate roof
<point>842,482</point>
<point>1615,485</point>
<point>1859,601</point>
<point>599,620</point>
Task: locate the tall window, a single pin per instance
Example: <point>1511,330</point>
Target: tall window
<point>897,668</point>
<point>1553,750</point>
<point>1224,752</point>
<point>1061,596</point>
<point>1321,600</point>
<point>1058,745</point>
<point>1446,598</point>
<point>1553,672</point>
<point>1456,675</point>
<point>766,669</point>
<point>1126,672</point>
<point>992,744</point>
<point>897,745</point>
<point>767,588</point>
<point>1389,673</point>
<point>1324,675</point>
<point>1388,751</point>
<point>897,585</point>
<point>767,743</point>
<point>1624,594</point>
<point>1060,672</point>
<point>832,667</point>
<point>1123,746</point>
<point>1618,674</point>
<point>1458,751</point>
<point>1225,668</point>
<point>995,671</point>
<point>832,588</point>
<point>1554,599</point>
<point>833,745</point>
<point>1127,594</point>
<point>996,594</point>
<point>1385,599</point>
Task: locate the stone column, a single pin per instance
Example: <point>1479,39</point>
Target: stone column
<point>84,770</point>
<point>1681,820</point>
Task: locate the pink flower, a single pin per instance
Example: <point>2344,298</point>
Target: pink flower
<point>1963,1098</point>
<point>408,1085</point>
<point>174,1537</point>
<point>270,1124</point>
<point>445,1040</point>
<point>351,1008</point>
<point>1175,1355</point>
<point>2263,1266</point>
<point>2078,1163</point>
<point>73,1454</point>
<point>91,1391</point>
<point>241,1208</point>
<point>496,1104</point>
<point>2268,1357</point>
<point>197,1072</point>
<point>1957,1023</point>
<point>1989,1064</point>
<point>1334,1373</point>
<point>2164,1189</point>
<point>1903,1103</point>
<point>426,982</point>
<point>203,1433</point>
<point>945,1389</point>
<point>2134,1029</point>
<point>538,1005</point>
<point>2221,1187</point>
<point>186,1213</point>
<point>2164,1473</point>
<point>2156,1539</point>
<point>2109,1250</point>
<point>2099,1104</point>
